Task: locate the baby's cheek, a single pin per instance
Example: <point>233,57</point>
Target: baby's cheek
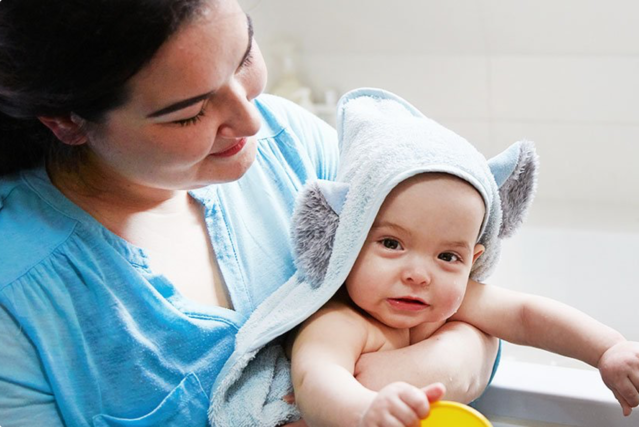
<point>452,301</point>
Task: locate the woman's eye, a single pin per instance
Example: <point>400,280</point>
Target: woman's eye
<point>191,120</point>
<point>248,60</point>
<point>391,244</point>
<point>448,257</point>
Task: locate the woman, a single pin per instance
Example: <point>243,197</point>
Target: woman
<point>144,212</point>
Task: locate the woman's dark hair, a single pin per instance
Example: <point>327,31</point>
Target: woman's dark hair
<point>72,56</point>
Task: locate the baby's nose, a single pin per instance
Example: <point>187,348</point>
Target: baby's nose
<point>416,274</point>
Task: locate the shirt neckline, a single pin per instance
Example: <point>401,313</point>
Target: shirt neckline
<point>38,180</point>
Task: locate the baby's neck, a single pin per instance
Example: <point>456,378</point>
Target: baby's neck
<point>424,330</point>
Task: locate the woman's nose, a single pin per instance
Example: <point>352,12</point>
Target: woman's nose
<point>241,116</point>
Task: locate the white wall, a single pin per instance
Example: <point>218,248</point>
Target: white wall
<point>592,270</point>
<point>563,73</point>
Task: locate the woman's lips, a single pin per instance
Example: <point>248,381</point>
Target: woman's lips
<point>232,150</point>
<point>408,304</point>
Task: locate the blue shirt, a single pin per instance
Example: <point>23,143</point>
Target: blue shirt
<point>90,335</point>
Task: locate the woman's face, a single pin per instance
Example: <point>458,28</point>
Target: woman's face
<point>190,120</point>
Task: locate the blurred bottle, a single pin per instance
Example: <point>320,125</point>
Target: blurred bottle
<point>289,85</point>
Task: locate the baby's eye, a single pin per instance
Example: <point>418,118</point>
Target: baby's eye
<point>391,244</point>
<point>448,257</point>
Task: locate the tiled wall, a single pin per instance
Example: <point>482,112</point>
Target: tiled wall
<point>564,73</point>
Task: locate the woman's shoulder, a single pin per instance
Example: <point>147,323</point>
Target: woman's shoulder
<point>297,135</point>
<point>30,228</point>
<point>281,110</point>
<point>279,114</point>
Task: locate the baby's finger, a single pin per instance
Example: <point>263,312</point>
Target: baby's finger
<point>628,390</point>
<point>416,405</point>
<point>389,420</point>
<point>634,379</point>
<point>624,405</point>
<point>434,391</point>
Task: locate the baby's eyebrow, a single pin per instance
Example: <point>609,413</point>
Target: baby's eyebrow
<point>459,244</point>
<point>388,224</point>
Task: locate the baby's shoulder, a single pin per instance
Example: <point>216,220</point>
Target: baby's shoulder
<point>340,318</point>
<point>338,310</point>
<point>338,314</point>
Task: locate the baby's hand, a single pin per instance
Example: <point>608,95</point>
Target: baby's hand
<point>619,368</point>
<point>401,405</point>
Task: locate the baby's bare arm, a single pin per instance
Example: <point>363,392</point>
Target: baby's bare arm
<point>323,358</point>
<point>551,325</point>
<point>324,353</point>
<point>536,321</point>
<point>458,355</point>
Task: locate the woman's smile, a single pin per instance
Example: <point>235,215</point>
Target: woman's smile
<point>233,149</point>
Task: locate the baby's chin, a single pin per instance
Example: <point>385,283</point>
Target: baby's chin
<point>407,323</point>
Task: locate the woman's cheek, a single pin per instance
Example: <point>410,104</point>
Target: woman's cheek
<point>187,144</point>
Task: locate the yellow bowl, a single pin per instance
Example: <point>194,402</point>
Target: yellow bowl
<point>452,414</point>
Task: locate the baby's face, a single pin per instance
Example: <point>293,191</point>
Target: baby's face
<point>415,263</point>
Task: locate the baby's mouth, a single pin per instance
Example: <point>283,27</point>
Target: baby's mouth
<point>408,303</point>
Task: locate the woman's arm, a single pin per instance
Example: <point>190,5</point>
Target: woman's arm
<point>458,355</point>
<point>25,395</point>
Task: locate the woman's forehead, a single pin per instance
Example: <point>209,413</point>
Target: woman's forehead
<point>196,59</point>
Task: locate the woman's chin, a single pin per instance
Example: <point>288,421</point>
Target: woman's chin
<point>229,169</point>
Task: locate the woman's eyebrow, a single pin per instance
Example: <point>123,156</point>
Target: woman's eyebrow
<point>180,105</point>
<point>194,100</point>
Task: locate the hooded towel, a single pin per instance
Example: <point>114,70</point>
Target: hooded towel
<point>383,141</point>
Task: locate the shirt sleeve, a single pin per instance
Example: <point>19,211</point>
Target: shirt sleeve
<point>25,395</point>
<point>317,137</point>
<point>321,141</point>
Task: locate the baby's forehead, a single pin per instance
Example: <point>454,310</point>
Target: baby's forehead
<point>435,192</point>
<point>452,182</point>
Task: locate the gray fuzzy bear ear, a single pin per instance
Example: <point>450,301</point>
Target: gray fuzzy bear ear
<point>515,171</point>
<point>315,221</point>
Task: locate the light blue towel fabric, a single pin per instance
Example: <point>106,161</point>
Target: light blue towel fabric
<point>383,141</point>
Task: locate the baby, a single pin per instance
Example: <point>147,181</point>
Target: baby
<point>439,220</point>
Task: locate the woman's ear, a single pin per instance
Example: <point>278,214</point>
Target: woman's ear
<point>68,129</point>
<point>479,249</point>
